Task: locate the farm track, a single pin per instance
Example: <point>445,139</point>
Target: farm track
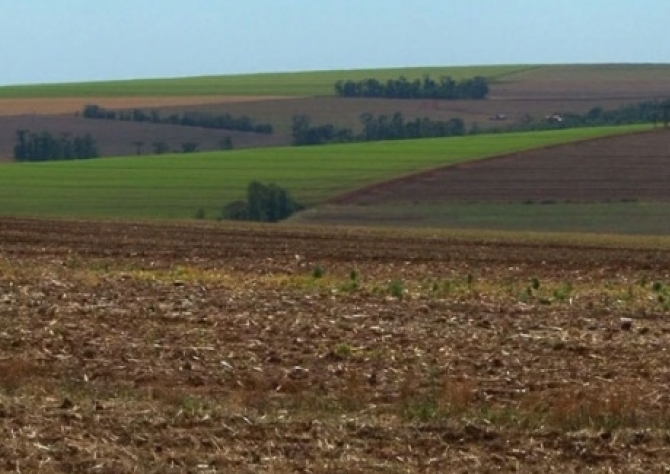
<point>177,348</point>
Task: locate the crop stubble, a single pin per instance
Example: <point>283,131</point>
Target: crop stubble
<point>159,348</point>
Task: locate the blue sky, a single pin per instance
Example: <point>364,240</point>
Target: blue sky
<point>77,40</point>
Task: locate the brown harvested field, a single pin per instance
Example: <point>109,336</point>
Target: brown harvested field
<point>116,138</point>
<point>183,348</point>
<point>346,112</point>
<point>628,167</point>
<point>580,82</point>
<point>60,106</point>
<point>536,92</point>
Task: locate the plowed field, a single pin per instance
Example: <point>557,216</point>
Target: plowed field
<point>156,348</point>
<point>611,169</point>
<point>66,105</point>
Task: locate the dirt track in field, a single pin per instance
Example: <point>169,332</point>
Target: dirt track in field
<point>175,348</point>
<point>608,169</point>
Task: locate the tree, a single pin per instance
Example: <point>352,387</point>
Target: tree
<point>44,146</point>
<point>226,143</point>
<point>138,147</point>
<point>161,147</point>
<point>265,203</point>
<point>189,147</point>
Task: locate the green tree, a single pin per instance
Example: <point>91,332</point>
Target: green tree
<point>265,203</point>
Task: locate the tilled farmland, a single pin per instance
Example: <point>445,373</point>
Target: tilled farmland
<point>612,169</point>
<point>180,348</point>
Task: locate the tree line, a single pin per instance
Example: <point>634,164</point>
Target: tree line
<point>656,112</point>
<point>44,146</point>
<point>375,128</point>
<point>187,119</point>
<point>445,88</point>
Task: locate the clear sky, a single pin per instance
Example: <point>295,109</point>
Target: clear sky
<point>77,40</point>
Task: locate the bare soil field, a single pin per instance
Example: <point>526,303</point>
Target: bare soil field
<point>63,106</point>
<point>536,91</point>
<point>346,112</point>
<point>182,348</point>
<point>579,82</point>
<point>628,167</point>
<point>119,138</point>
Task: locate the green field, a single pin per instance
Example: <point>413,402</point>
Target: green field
<point>319,83</point>
<point>611,217</point>
<point>272,84</point>
<point>175,186</point>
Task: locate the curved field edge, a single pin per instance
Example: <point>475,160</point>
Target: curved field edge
<point>272,84</point>
<point>176,186</point>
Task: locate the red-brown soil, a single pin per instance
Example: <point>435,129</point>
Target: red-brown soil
<point>62,106</point>
<point>534,92</point>
<point>608,169</point>
<point>183,348</point>
<point>119,138</point>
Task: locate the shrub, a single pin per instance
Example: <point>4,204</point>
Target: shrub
<point>318,271</point>
<point>396,289</point>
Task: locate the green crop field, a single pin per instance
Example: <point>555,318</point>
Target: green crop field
<point>273,84</point>
<point>175,186</point>
<point>319,83</point>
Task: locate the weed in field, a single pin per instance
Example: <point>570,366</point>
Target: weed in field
<point>397,289</point>
<point>318,272</point>
<point>563,292</point>
<point>657,287</point>
<point>343,350</point>
<point>353,283</point>
<point>535,283</point>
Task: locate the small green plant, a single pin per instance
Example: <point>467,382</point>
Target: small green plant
<point>353,283</point>
<point>343,350</point>
<point>318,271</point>
<point>657,286</point>
<point>396,288</point>
<point>470,280</point>
<point>563,292</point>
<point>535,284</point>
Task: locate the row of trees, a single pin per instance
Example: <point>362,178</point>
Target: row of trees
<point>188,119</point>
<point>45,146</point>
<point>428,88</point>
<point>381,127</point>
<point>643,112</point>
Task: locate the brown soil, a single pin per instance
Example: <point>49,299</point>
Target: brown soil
<point>609,169</point>
<point>58,106</point>
<point>536,92</point>
<point>346,112</point>
<point>116,138</point>
<point>176,348</point>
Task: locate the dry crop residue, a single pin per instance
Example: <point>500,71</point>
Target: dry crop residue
<point>176,348</point>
